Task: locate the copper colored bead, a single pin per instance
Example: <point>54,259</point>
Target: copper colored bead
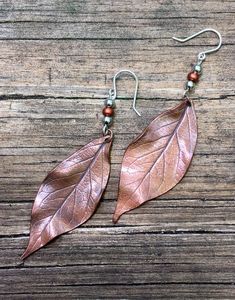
<point>193,76</point>
<point>108,111</point>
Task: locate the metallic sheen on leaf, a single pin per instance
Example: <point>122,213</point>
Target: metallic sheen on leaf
<point>69,195</point>
<point>158,159</point>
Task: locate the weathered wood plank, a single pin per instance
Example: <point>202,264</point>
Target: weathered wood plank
<point>142,245</point>
<point>84,68</point>
<point>57,60</point>
<point>115,274</point>
<point>42,10</point>
<point>109,20</point>
<point>169,215</point>
<point>137,292</point>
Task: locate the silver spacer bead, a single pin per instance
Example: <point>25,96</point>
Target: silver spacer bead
<point>189,85</point>
<point>108,120</point>
<point>109,102</point>
<point>197,68</point>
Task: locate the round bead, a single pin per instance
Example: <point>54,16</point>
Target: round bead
<point>198,68</point>
<point>109,102</point>
<point>193,76</point>
<point>190,84</point>
<point>108,111</point>
<point>108,120</point>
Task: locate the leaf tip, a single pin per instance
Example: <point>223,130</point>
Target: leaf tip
<point>118,213</point>
<point>116,217</point>
<point>28,251</point>
<point>25,254</point>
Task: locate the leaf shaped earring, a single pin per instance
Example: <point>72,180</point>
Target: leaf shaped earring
<point>70,193</point>
<point>160,156</point>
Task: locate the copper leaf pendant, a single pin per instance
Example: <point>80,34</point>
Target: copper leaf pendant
<point>158,159</point>
<point>70,193</point>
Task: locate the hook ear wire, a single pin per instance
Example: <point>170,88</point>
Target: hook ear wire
<point>113,92</point>
<point>202,55</point>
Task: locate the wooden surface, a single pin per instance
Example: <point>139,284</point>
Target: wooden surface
<point>57,59</point>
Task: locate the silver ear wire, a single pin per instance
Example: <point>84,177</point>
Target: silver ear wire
<point>113,92</point>
<point>202,55</point>
<point>193,76</point>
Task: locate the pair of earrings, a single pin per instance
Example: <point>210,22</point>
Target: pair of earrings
<point>152,165</point>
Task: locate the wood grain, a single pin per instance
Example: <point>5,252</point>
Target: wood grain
<point>57,60</point>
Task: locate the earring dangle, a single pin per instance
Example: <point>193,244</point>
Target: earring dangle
<point>70,193</point>
<point>159,157</point>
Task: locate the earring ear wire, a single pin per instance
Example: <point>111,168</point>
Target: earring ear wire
<point>202,55</point>
<point>193,76</point>
<point>114,90</point>
<point>108,111</point>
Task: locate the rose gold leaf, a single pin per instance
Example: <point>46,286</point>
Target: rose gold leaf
<point>158,159</point>
<point>69,195</point>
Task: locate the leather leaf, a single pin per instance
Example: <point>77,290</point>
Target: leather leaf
<point>158,159</point>
<point>69,195</point>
